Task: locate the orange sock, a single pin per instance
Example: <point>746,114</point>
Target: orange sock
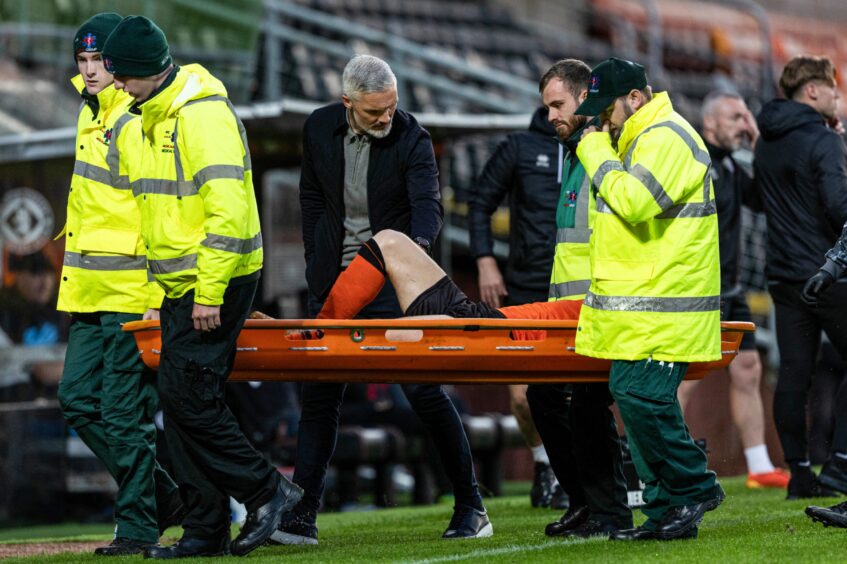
<point>357,286</point>
<point>561,309</point>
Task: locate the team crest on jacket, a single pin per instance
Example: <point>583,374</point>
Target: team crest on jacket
<point>542,161</point>
<point>107,136</point>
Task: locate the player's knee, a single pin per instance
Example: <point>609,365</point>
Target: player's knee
<point>388,238</point>
<point>746,370</point>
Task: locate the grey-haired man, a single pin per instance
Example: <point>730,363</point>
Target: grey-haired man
<point>369,166</point>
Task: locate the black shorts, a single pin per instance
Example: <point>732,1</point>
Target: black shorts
<point>735,308</point>
<point>445,298</point>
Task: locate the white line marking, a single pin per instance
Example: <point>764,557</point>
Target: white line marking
<point>508,549</point>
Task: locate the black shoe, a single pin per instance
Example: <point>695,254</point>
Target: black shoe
<point>468,523</point>
<point>172,516</point>
<point>543,485</point>
<point>804,484</point>
<point>121,546</point>
<point>678,520</point>
<point>263,521</point>
<point>188,548</point>
<point>835,516</point>
<point>296,528</point>
<point>642,534</point>
<point>573,518</point>
<point>560,499</point>
<point>834,474</point>
<point>593,528</point>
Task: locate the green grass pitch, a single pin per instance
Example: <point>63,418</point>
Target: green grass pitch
<point>750,526</point>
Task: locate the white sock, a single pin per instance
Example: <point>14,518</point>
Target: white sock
<point>758,461</point>
<point>539,454</point>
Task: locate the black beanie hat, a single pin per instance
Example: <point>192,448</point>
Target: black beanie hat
<point>136,47</point>
<point>92,35</point>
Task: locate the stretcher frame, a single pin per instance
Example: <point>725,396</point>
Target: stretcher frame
<point>446,351</point>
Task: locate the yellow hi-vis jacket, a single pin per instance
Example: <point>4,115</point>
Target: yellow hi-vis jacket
<point>571,275</point>
<point>655,289</point>
<point>105,267</point>
<point>194,186</point>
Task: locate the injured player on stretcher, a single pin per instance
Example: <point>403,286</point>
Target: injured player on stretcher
<point>423,289</point>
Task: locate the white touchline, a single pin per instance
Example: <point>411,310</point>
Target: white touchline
<point>511,549</point>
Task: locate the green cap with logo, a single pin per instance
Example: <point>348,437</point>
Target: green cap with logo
<point>92,34</point>
<point>136,47</point>
<point>610,79</point>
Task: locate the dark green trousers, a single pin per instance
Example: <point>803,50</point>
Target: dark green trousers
<point>212,459</point>
<point>671,466</point>
<point>109,398</point>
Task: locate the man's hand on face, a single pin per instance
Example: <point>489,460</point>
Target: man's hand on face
<point>752,130</point>
<point>206,318</point>
<point>607,127</point>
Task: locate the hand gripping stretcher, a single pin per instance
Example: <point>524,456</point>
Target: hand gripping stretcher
<point>445,351</point>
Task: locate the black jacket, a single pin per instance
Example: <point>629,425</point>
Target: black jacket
<point>733,188</point>
<point>801,176</point>
<point>403,189</point>
<point>525,166</point>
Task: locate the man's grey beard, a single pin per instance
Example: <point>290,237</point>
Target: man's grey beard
<point>380,133</point>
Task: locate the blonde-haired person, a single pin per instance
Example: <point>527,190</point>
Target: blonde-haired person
<point>801,176</point>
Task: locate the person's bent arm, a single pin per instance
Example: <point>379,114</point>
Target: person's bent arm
<point>424,193</point>
<point>660,174</point>
<point>495,181</point>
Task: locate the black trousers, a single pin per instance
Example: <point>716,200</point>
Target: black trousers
<point>212,459</point>
<point>319,425</point>
<point>579,434</point>
<point>798,335</point>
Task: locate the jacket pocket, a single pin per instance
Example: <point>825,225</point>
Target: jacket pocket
<point>619,269</point>
<point>105,240</point>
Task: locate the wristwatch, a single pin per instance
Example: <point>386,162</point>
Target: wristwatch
<point>424,244</point>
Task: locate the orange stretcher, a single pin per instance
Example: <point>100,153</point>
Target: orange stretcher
<point>447,351</point>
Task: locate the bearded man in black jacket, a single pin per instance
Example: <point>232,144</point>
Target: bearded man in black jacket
<point>527,167</point>
<point>801,174</point>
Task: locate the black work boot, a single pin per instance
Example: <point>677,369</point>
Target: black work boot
<point>187,547</point>
<point>121,546</point>
<point>264,520</point>
<point>573,518</point>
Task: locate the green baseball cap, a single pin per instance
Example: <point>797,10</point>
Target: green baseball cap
<point>610,79</point>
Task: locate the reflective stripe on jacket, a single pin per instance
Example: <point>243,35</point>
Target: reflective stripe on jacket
<point>655,290</point>
<point>105,267</point>
<point>194,186</point>
<point>571,275</point>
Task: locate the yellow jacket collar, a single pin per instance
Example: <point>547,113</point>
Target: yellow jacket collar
<point>648,114</point>
<point>192,82</point>
<point>107,98</point>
